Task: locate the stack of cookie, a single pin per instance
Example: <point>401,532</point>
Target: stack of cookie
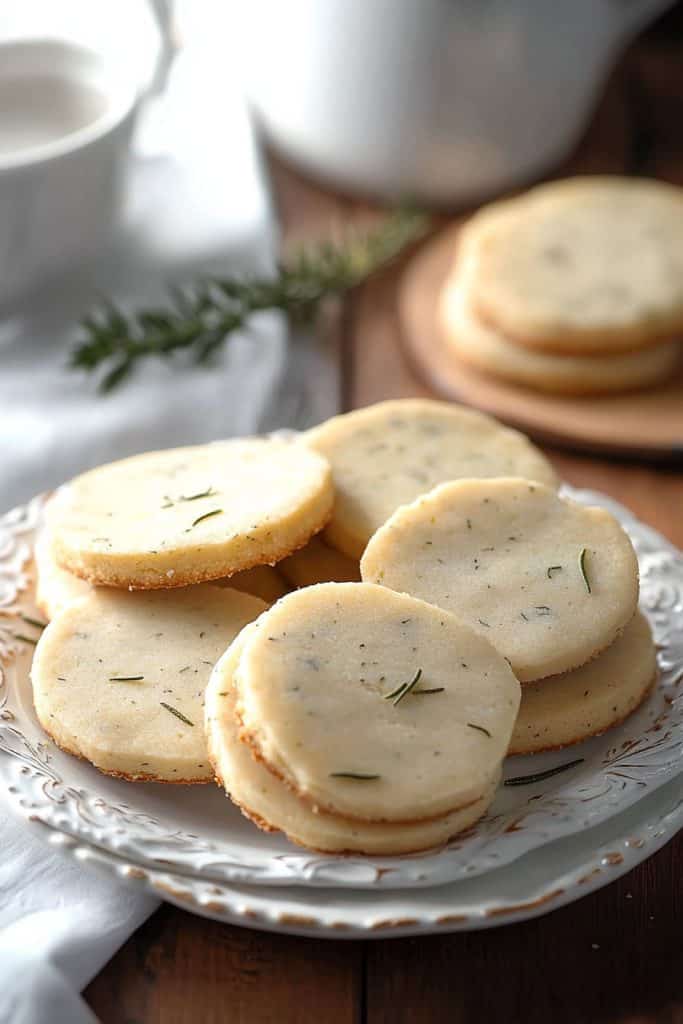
<point>553,585</point>
<point>575,287</point>
<point>368,715</point>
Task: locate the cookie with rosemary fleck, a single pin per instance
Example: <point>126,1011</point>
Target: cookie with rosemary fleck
<point>591,699</point>
<point>119,678</point>
<point>487,349</point>
<point>319,563</point>
<point>550,583</point>
<point>186,515</point>
<point>374,706</point>
<point>272,805</point>
<point>589,265</point>
<point>388,454</point>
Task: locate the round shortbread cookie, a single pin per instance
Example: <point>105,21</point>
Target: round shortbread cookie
<point>390,453</point>
<point>584,266</point>
<point>270,804</point>
<point>56,588</point>
<point>485,348</point>
<point>169,518</point>
<point>332,696</point>
<point>262,581</point>
<point>591,699</point>
<point>319,563</point>
<point>119,678</point>
<point>550,583</point>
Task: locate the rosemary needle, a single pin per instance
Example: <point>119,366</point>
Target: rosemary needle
<point>479,728</point>
<point>400,692</point>
<point>359,776</point>
<point>582,567</point>
<point>528,780</point>
<point>207,515</point>
<point>551,569</point>
<point>432,689</point>
<point>126,679</point>
<point>178,714</point>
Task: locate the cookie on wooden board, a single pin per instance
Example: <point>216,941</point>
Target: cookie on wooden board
<point>119,678</point>
<point>185,515</point>
<point>550,583</point>
<point>272,805</point>
<point>586,702</point>
<point>585,266</point>
<point>480,345</point>
<point>374,706</point>
<point>388,454</point>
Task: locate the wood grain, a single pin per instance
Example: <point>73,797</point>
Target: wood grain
<point>178,969</point>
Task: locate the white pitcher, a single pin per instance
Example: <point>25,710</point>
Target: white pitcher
<point>441,100</point>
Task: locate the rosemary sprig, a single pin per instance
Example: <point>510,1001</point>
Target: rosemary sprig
<point>359,776</point>
<point>201,316</point>
<point>528,780</point>
<point>582,567</point>
<point>178,714</point>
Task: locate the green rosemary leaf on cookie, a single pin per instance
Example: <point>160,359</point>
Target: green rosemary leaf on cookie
<point>553,569</point>
<point>178,714</point>
<point>479,728</point>
<point>582,567</point>
<point>407,687</point>
<point>126,679</point>
<point>207,515</point>
<point>432,689</point>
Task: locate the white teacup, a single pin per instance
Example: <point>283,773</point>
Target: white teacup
<point>66,119</point>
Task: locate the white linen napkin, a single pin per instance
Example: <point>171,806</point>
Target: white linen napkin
<point>197,201</point>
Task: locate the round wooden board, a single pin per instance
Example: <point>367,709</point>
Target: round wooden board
<point>643,424</point>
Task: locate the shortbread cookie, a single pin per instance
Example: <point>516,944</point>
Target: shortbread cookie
<point>549,582</point>
<point>271,805</point>
<point>119,678</point>
<point>388,454</point>
<point>262,581</point>
<point>585,266</point>
<point>591,699</point>
<point>374,706</point>
<point>55,587</point>
<point>482,346</point>
<point>319,563</point>
<point>169,518</point>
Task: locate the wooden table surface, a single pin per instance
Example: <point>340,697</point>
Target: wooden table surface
<point>180,969</point>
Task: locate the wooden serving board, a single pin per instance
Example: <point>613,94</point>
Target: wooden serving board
<point>642,424</point>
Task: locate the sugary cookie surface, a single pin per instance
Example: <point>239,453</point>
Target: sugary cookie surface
<point>388,454</point>
<point>119,678</point>
<point>373,705</point>
<point>550,583</point>
<point>169,518</point>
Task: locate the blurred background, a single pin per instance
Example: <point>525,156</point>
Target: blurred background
<point>205,140</point>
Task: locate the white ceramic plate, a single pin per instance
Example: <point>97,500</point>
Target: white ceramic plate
<point>194,832</point>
